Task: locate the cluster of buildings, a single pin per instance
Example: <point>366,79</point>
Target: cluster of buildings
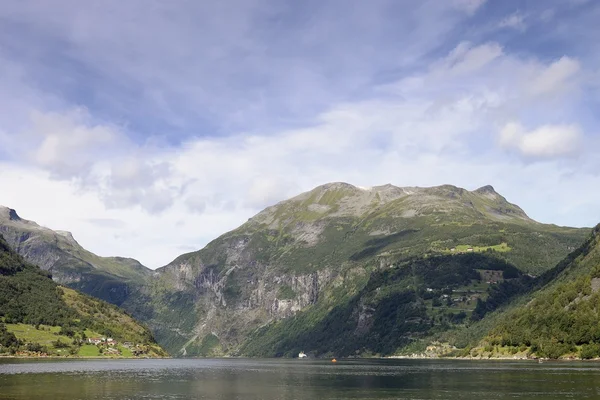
<point>107,341</point>
<point>111,343</point>
<point>469,250</point>
<point>111,346</point>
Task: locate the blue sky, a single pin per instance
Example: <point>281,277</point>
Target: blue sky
<point>148,128</point>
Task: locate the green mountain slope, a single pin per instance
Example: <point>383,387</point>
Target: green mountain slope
<point>339,269</point>
<point>108,278</point>
<point>38,316</point>
<point>399,222</point>
<point>397,306</point>
<point>561,317</point>
<point>321,252</point>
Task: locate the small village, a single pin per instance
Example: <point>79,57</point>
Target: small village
<point>110,346</point>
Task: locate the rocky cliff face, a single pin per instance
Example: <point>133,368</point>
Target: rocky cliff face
<point>233,294</point>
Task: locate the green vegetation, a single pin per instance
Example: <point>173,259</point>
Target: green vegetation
<point>395,307</point>
<point>465,248</point>
<point>8,340</point>
<point>208,345</point>
<point>286,292</point>
<point>38,316</point>
<point>561,318</point>
<point>28,295</point>
<point>89,350</point>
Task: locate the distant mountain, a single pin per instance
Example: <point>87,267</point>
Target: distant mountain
<point>108,278</point>
<point>306,264</point>
<point>560,315</point>
<point>338,270</point>
<point>39,317</point>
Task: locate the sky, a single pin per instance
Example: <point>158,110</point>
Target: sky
<point>148,128</point>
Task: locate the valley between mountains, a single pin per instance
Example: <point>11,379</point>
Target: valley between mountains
<point>347,271</point>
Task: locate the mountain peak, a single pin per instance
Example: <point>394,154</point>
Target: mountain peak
<point>340,199</point>
<point>487,189</point>
<point>336,186</point>
<point>67,235</point>
<point>9,214</point>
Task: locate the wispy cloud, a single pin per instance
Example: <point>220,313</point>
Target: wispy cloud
<point>470,6</point>
<point>514,21</point>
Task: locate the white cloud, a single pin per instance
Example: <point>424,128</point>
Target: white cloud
<point>130,232</point>
<point>267,190</point>
<point>69,144</point>
<point>469,6</point>
<point>514,21</point>
<point>546,141</point>
<point>99,158</point>
<point>466,58</point>
<point>558,76</point>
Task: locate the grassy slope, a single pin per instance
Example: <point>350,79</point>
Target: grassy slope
<point>47,336</point>
<point>56,320</point>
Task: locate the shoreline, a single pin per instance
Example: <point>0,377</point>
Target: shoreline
<point>530,359</point>
<point>492,359</point>
<point>82,358</point>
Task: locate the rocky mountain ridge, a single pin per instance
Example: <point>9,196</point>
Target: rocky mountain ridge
<point>311,253</point>
<point>304,258</point>
<point>58,252</point>
<point>342,199</point>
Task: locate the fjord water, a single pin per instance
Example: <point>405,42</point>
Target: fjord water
<point>296,379</point>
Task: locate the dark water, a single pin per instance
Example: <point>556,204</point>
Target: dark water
<point>297,379</point>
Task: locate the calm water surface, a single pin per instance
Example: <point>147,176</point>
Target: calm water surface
<point>296,379</point>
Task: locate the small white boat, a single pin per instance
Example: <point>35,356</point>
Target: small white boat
<point>302,355</point>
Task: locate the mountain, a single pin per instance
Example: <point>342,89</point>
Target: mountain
<point>340,254</point>
<point>108,278</point>
<point>560,315</point>
<point>38,316</point>
<point>340,269</point>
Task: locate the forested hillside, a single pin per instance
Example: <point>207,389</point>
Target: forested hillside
<point>561,315</point>
<point>39,317</point>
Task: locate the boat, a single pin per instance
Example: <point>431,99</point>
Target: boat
<point>302,355</point>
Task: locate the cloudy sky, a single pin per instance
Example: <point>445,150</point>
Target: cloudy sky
<point>150,127</point>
